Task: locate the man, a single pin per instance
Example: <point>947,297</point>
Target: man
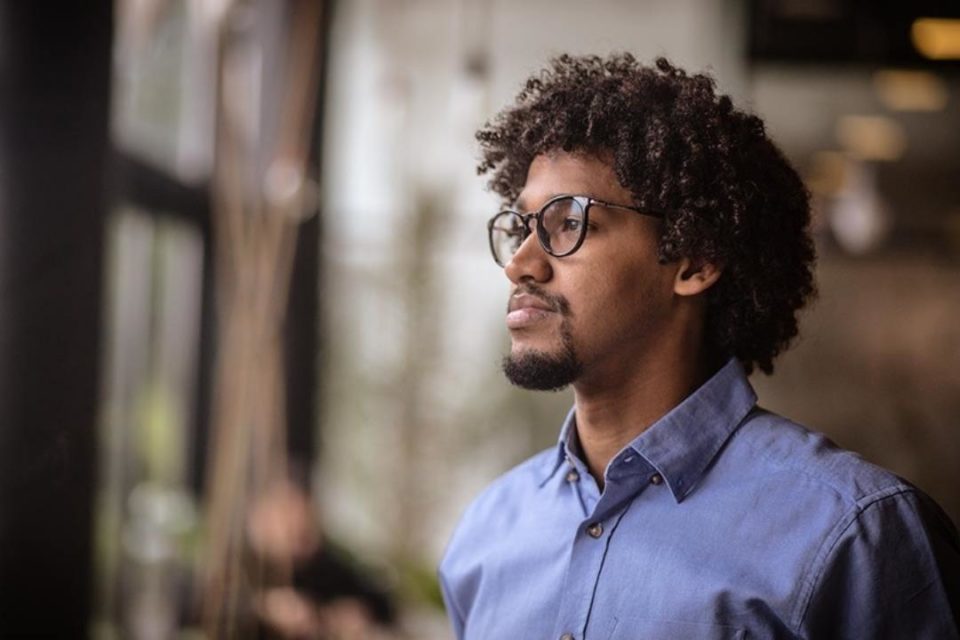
<point>656,243</point>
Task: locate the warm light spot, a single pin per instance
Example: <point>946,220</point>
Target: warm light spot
<point>826,173</point>
<point>937,38</point>
<point>872,137</point>
<point>911,90</point>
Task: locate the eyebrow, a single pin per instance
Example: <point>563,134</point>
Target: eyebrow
<point>519,203</point>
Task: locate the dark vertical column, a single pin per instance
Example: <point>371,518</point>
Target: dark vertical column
<point>54,98</point>
<point>301,345</point>
<point>200,442</point>
<point>303,332</point>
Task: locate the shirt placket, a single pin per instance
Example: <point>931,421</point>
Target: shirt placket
<point>590,544</point>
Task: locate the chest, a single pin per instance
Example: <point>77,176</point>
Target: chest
<point>651,569</point>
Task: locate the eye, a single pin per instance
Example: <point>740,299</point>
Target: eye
<point>564,215</point>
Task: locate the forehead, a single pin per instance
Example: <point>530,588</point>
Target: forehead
<point>552,174</point>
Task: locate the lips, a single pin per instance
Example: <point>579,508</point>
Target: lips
<point>526,310</point>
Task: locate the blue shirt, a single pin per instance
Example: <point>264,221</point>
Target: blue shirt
<point>721,520</point>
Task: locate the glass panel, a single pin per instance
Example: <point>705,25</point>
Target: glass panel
<point>146,520</point>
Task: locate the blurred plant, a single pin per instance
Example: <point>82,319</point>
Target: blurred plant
<point>255,228</point>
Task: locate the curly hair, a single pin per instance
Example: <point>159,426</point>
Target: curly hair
<point>730,196</point>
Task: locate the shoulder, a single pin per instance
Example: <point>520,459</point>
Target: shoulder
<point>814,462</point>
<point>876,539</point>
<point>890,568</point>
<point>508,493</point>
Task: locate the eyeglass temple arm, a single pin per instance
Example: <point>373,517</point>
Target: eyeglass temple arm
<point>643,212</point>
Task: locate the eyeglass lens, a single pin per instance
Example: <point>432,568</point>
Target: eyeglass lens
<point>507,233</point>
<point>559,229</point>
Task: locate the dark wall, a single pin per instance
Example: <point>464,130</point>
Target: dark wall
<point>54,99</point>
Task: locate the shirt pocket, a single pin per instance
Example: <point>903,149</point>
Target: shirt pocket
<point>636,628</point>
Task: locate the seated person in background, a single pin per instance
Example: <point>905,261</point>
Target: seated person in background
<point>326,595</point>
<point>656,243</point>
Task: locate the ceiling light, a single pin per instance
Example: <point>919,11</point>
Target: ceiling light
<point>876,138</point>
<point>911,90</point>
<point>937,38</point>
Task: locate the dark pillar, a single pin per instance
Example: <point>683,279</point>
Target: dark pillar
<point>301,342</point>
<point>54,98</point>
<point>304,332</point>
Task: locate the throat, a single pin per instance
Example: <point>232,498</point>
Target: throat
<point>609,419</point>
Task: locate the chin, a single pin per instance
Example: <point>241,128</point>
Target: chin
<point>542,370</point>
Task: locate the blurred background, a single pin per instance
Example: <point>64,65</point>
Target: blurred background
<point>250,331</point>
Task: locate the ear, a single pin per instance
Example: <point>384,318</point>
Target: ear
<point>693,278</point>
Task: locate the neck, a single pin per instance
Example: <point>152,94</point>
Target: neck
<point>611,414</point>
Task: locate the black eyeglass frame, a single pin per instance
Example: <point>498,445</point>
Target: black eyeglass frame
<point>585,202</point>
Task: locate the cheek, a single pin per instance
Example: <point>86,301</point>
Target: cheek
<point>627,299</point>
<point>627,285</point>
<point>604,305</point>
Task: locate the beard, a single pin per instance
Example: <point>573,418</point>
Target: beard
<point>543,371</point>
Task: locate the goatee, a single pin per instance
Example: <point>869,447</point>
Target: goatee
<point>542,371</point>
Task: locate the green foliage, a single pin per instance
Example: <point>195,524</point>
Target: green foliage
<point>418,583</point>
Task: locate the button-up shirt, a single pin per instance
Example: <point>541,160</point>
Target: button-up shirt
<point>721,520</point>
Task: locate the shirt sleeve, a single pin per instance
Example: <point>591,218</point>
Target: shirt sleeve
<point>891,571</point>
<point>456,618</point>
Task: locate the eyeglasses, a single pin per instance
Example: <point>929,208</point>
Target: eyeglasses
<point>561,226</point>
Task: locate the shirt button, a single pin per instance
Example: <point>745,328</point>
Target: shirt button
<point>656,478</point>
<point>567,636</point>
<point>572,475</point>
<point>595,530</point>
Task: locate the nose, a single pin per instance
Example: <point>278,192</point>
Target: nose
<point>529,262</point>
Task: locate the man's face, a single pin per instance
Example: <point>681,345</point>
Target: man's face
<point>590,316</point>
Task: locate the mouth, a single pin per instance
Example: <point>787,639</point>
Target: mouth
<point>526,310</point>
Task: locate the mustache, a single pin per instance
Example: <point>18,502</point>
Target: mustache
<point>556,302</point>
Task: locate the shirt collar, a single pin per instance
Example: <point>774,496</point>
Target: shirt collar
<point>681,444</point>
<point>566,442</point>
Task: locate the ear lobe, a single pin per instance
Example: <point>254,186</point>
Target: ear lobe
<point>693,279</point>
